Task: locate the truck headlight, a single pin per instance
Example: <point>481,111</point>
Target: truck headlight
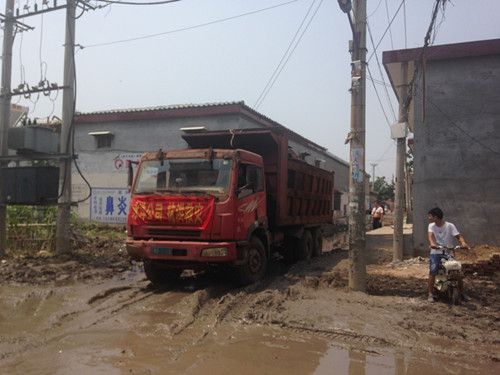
<point>215,252</point>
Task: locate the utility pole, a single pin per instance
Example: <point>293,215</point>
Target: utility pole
<point>8,41</point>
<point>63,230</point>
<point>356,139</point>
<point>373,174</point>
<point>400,166</point>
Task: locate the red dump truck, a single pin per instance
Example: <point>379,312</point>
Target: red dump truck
<point>232,199</point>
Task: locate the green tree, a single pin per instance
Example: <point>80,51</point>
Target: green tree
<point>383,189</point>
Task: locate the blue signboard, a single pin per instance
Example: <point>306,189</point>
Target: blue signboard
<point>109,205</point>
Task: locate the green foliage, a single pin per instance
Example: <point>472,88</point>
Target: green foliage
<point>31,228</point>
<point>98,230</point>
<point>383,189</point>
<point>31,215</point>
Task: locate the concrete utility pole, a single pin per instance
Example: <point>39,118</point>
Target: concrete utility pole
<point>373,174</point>
<point>63,230</point>
<point>8,41</point>
<point>356,138</point>
<point>400,168</point>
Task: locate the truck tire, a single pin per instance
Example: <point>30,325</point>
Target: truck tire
<point>305,246</point>
<point>158,275</point>
<point>318,243</point>
<point>256,265</point>
<point>289,252</point>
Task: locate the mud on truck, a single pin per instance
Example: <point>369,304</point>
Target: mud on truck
<point>232,199</point>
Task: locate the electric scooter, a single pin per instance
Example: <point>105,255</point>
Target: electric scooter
<point>450,275</point>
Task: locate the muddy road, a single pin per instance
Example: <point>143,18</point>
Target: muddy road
<point>98,314</point>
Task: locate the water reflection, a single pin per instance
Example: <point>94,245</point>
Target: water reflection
<point>373,361</point>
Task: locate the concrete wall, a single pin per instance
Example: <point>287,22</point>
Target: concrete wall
<point>104,168</point>
<point>457,148</point>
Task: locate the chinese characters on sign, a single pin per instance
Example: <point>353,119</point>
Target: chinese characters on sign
<point>192,211</point>
<point>109,205</point>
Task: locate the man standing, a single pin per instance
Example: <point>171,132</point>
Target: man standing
<point>377,215</point>
<point>441,233</point>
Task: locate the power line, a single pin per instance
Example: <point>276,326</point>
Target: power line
<point>381,73</point>
<point>378,96</point>
<point>390,30</point>
<point>118,2</point>
<point>375,10</point>
<point>404,22</point>
<point>385,32</point>
<point>290,44</point>
<point>290,54</point>
<point>381,157</point>
<point>460,128</point>
<point>148,36</point>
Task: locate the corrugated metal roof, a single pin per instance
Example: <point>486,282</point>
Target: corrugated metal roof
<point>160,108</point>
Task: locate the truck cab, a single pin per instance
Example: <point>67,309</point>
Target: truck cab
<point>196,207</point>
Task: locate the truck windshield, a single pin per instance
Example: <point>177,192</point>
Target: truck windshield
<point>184,175</point>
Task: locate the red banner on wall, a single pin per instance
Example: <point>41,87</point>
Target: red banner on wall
<point>176,211</point>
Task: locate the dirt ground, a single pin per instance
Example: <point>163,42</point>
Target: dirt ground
<point>94,312</point>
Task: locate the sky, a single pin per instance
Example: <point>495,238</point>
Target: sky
<point>227,50</point>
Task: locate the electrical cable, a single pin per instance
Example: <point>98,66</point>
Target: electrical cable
<point>381,73</point>
<point>190,27</point>
<point>72,131</point>
<point>285,53</point>
<point>460,128</point>
<point>390,30</point>
<point>385,32</point>
<point>43,63</point>
<point>71,138</point>
<point>290,54</point>
<point>137,3</point>
<point>381,157</point>
<point>376,8</point>
<point>404,23</point>
<point>378,96</point>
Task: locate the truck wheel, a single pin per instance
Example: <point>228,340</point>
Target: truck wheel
<point>255,267</point>
<point>290,250</point>
<point>305,246</point>
<point>158,275</point>
<point>318,243</point>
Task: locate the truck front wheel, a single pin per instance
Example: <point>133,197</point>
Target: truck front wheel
<point>255,267</point>
<point>159,275</point>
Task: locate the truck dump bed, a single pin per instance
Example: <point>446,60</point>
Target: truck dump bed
<point>298,193</point>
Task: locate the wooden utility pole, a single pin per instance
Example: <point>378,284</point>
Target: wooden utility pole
<point>63,230</point>
<point>8,41</point>
<point>356,139</point>
<point>400,168</point>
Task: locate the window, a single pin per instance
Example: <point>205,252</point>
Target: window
<point>250,180</point>
<point>103,138</point>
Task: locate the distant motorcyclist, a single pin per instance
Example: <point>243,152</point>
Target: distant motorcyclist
<point>441,233</point>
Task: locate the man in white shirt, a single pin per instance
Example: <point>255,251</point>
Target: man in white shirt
<point>440,233</point>
<point>377,215</point>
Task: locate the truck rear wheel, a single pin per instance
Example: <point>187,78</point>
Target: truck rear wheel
<point>159,275</point>
<point>305,246</point>
<point>318,242</point>
<point>256,265</point>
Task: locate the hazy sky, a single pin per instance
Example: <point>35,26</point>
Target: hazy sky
<point>233,60</point>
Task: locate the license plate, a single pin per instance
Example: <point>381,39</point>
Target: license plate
<point>161,251</point>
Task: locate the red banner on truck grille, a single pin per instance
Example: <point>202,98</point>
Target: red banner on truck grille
<point>175,211</point>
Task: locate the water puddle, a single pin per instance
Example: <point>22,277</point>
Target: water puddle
<point>338,360</point>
